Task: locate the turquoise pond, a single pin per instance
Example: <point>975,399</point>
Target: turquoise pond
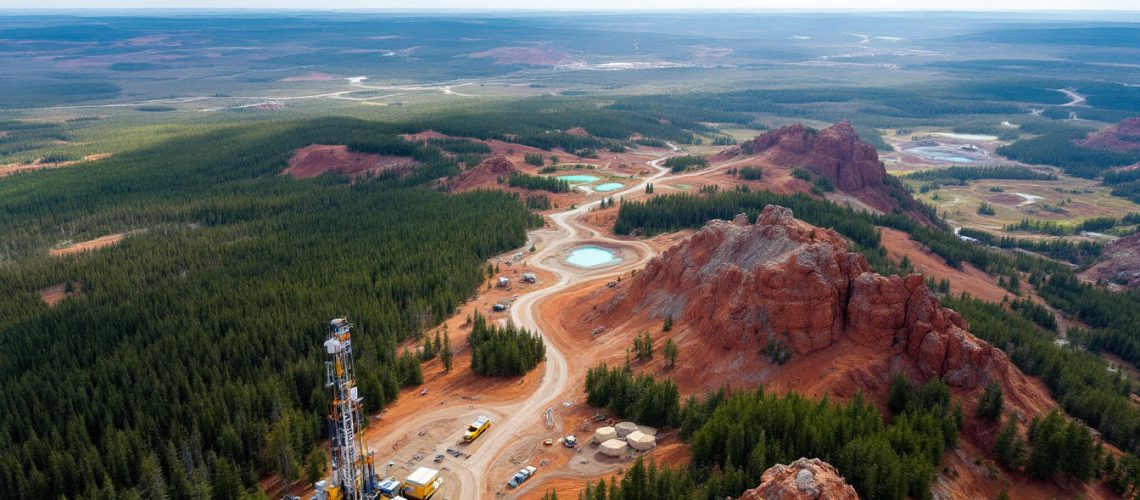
<point>938,154</point>
<point>578,179</point>
<point>609,186</point>
<point>591,256</point>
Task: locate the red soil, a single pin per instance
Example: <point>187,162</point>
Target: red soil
<point>55,294</point>
<point>1124,136</point>
<point>969,279</point>
<point>317,159</point>
<point>529,56</point>
<point>89,245</point>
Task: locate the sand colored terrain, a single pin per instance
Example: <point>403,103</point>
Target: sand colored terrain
<point>317,159</point>
<point>89,245</point>
<point>13,168</point>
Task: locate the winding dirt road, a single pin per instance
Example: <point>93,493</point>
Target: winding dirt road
<point>470,478</point>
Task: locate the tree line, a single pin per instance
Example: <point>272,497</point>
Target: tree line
<point>189,344</point>
<point>507,351</point>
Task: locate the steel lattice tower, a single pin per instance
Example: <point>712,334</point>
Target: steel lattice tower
<point>352,465</point>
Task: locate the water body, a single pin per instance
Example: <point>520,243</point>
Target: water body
<point>609,186</point>
<point>591,256</point>
<point>934,153</point>
<point>968,137</point>
<point>578,179</point>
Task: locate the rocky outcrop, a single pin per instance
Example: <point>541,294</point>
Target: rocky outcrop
<point>1124,137</point>
<point>1118,265</point>
<point>486,173</point>
<point>837,154</point>
<point>804,479</point>
<point>780,280</point>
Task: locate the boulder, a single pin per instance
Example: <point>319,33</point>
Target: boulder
<point>804,479</point>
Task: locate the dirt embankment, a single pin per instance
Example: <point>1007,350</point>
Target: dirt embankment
<point>968,279</point>
<point>89,245</point>
<point>13,168</point>
<point>317,159</point>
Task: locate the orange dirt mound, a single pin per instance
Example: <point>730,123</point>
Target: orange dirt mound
<point>89,245</point>
<point>317,159</point>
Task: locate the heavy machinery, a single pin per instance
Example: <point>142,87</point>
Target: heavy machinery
<point>476,428</point>
<point>353,472</point>
<point>353,466</point>
<point>422,484</point>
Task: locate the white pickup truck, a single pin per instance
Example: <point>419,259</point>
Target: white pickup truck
<point>522,475</point>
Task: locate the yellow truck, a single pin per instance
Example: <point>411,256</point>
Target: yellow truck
<point>422,484</point>
<point>477,428</point>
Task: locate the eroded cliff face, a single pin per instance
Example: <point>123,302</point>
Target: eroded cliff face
<point>1118,265</point>
<point>743,286</point>
<point>804,479</point>
<point>486,173</point>
<point>838,154</point>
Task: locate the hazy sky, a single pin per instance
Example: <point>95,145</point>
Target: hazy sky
<point>981,5</point>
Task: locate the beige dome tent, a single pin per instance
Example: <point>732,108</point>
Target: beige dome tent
<point>604,434</point>
<point>640,441</point>
<point>624,428</point>
<point>613,448</point>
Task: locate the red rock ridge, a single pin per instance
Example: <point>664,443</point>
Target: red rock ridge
<point>804,479</point>
<point>744,285</point>
<point>486,173</point>
<point>837,154</point>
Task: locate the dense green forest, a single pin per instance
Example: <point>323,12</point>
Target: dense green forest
<point>1051,143</point>
<point>188,344</point>
<point>735,437</point>
<point>962,175</point>
<point>1078,252</point>
<point>507,351</point>
<point>682,163</point>
<point>538,182</point>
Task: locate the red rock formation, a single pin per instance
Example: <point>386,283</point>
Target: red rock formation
<point>783,280</point>
<point>1118,265</point>
<point>486,173</point>
<point>1124,136</point>
<point>804,479</point>
<point>837,154</point>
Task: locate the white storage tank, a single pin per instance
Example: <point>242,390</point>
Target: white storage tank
<point>640,441</point>
<point>625,428</point>
<point>604,434</point>
<point>614,448</point>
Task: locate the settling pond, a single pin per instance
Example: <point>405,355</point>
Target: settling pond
<point>609,186</point>
<point>578,179</point>
<point>591,256</point>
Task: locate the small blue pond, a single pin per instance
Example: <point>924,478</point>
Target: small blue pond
<point>578,179</point>
<point>591,256</point>
<point>939,154</point>
<point>609,186</point>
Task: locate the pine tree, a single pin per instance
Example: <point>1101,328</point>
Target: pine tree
<point>670,353</point>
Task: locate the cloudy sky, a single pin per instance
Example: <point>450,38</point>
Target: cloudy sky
<point>976,5</point>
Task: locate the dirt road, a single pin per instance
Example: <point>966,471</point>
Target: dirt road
<point>469,477</point>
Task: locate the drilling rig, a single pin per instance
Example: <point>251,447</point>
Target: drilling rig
<point>353,471</point>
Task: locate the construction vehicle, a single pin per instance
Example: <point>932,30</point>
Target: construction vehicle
<point>477,428</point>
<point>353,473</point>
<point>422,484</point>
